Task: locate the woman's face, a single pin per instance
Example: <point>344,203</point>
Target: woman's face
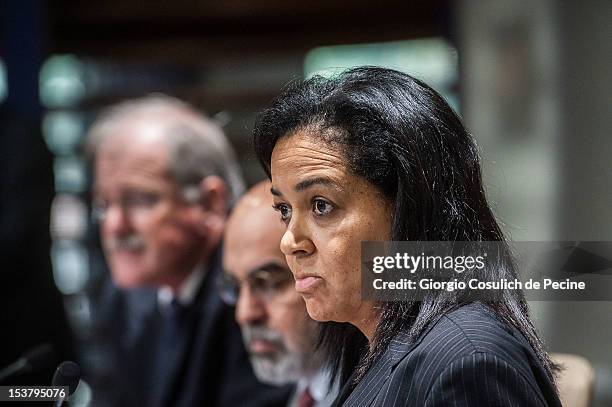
<point>328,212</point>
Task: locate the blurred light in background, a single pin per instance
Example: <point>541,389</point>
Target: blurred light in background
<point>70,175</point>
<point>70,266</point>
<point>61,81</point>
<point>68,218</point>
<point>432,60</point>
<point>62,131</point>
<point>3,82</point>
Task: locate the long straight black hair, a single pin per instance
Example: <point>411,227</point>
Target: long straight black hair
<point>402,137</point>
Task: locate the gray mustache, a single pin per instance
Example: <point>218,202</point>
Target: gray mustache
<point>131,242</point>
<point>257,333</point>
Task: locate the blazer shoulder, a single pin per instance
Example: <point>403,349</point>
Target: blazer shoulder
<point>473,325</point>
<point>471,329</point>
<point>488,334</point>
<point>467,338</point>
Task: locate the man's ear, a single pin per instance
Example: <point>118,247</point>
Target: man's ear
<point>213,201</point>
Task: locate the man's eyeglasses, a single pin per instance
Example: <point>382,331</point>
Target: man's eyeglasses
<point>264,283</point>
<point>132,203</point>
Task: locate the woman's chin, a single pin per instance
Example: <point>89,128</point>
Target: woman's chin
<point>323,311</point>
<point>317,309</point>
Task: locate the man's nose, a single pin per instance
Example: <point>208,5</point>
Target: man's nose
<point>249,309</point>
<point>116,221</point>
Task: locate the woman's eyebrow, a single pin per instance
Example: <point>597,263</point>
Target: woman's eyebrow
<point>275,192</point>
<point>307,183</point>
<point>303,185</point>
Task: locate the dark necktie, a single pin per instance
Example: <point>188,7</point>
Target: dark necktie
<point>169,351</point>
<point>305,399</point>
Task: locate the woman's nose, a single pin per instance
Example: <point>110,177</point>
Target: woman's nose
<point>296,241</point>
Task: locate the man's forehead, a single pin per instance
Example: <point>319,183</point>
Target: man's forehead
<point>130,166</point>
<point>130,133</point>
<point>131,155</point>
<point>250,237</point>
<point>253,240</point>
<point>259,225</point>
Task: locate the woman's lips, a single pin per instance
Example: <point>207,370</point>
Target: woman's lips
<point>306,283</point>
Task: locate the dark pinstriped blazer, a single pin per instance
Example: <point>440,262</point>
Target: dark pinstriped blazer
<point>467,358</point>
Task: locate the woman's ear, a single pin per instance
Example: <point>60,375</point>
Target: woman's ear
<point>213,203</point>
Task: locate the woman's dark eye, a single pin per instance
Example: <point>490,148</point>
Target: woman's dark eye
<point>321,207</point>
<point>284,210</point>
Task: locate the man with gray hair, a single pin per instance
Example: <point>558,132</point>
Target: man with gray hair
<point>164,179</point>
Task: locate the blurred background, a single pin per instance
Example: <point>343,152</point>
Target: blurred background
<point>530,78</point>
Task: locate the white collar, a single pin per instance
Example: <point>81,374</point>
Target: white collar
<point>318,385</point>
<point>186,292</point>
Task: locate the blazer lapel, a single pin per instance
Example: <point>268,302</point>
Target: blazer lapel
<point>368,388</point>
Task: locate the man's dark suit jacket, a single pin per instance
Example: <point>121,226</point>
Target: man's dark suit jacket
<point>467,358</point>
<point>211,367</point>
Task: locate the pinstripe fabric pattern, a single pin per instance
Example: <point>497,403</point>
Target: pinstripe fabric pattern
<point>467,358</point>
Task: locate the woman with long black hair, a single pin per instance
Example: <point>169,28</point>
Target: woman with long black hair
<point>374,154</point>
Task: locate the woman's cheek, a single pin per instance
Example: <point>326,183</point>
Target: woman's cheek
<point>346,265</point>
